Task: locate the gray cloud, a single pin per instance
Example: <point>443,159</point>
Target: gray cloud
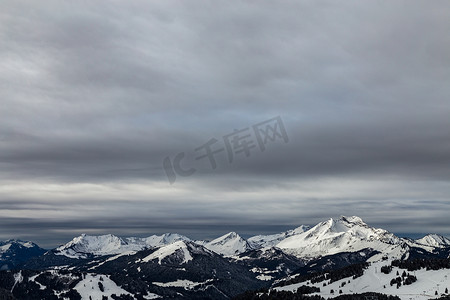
<point>94,96</point>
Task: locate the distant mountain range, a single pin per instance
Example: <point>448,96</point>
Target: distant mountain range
<point>174,266</point>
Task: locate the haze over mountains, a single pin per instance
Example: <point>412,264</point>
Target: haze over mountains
<point>345,234</point>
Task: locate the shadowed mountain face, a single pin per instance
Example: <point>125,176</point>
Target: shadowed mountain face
<point>16,252</point>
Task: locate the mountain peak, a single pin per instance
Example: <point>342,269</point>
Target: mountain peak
<point>226,237</point>
<point>232,235</point>
<point>83,245</point>
<point>342,224</point>
<point>168,238</point>
<point>228,244</point>
<point>434,240</point>
<point>353,220</point>
<point>349,234</point>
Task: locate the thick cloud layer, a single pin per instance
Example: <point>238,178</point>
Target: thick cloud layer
<point>94,96</point>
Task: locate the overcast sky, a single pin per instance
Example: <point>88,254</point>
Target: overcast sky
<point>94,97</point>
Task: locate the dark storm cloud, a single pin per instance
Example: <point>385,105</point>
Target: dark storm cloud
<point>95,95</point>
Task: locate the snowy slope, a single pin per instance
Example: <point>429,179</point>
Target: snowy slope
<point>85,245</point>
<point>179,249</point>
<point>96,286</point>
<point>228,245</point>
<point>179,252</point>
<point>373,280</point>
<point>434,240</point>
<point>346,234</point>
<point>263,241</point>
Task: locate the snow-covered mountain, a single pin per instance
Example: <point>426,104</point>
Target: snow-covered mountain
<point>84,245</point>
<point>173,266</point>
<point>434,240</point>
<point>181,270</point>
<point>263,241</point>
<point>13,252</point>
<point>228,244</point>
<point>346,234</point>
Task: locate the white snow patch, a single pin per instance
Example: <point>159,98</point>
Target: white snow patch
<point>264,277</point>
<point>18,278</point>
<point>150,296</point>
<point>89,286</point>
<point>5,248</point>
<point>33,279</point>
<point>186,284</point>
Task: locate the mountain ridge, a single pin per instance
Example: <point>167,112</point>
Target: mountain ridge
<point>172,266</point>
<point>325,238</point>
